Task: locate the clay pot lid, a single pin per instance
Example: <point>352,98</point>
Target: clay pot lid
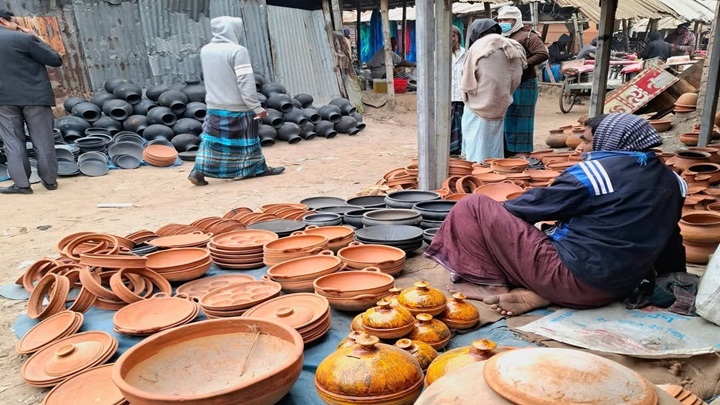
<point>453,388</point>
<point>240,296</point>
<point>62,324</point>
<point>177,241</point>
<point>296,242</point>
<point>198,288</point>
<point>297,310</point>
<point>564,376</point>
<point>178,257</point>
<point>156,313</point>
<point>92,386</point>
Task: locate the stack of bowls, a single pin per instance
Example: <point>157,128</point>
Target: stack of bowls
<point>292,247</point>
<point>355,218</point>
<point>241,249</point>
<point>297,275</point>
<point>307,313</point>
<point>160,155</point>
<point>67,157</point>
<point>354,290</point>
<point>433,212</point>
<point>338,236</point>
<point>181,264</point>
<point>405,237</point>
<point>195,239</point>
<point>126,154</point>
<point>368,201</point>
<point>93,164</point>
<point>96,142</point>
<point>339,209</point>
<point>390,260</point>
<point>159,313</point>
<point>408,198</point>
<point>237,298</point>
<point>58,326</point>
<point>323,219</point>
<point>389,216</point>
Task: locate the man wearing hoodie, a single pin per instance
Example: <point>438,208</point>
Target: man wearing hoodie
<point>230,147</point>
<point>655,47</point>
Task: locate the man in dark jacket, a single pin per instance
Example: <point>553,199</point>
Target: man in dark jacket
<point>655,47</point>
<point>26,98</point>
<point>559,51</point>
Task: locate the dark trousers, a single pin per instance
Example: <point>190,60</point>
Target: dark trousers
<point>39,121</point>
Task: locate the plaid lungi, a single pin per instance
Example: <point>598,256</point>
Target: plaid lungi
<point>230,146</point>
<point>456,114</point>
<point>520,118</point>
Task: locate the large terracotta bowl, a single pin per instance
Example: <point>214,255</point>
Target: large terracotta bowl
<point>346,284</point>
<point>358,256</point>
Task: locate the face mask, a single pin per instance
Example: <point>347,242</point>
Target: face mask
<point>505,27</point>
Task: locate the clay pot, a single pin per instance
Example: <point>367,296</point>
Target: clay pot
<point>387,322</point>
<point>556,140</point>
<point>117,109</point>
<point>307,131</point>
<point>346,108</point>
<point>700,226</point>
<point>144,106</point>
<point>459,313</point>
<point>188,126</point>
<point>498,191</point>
<point>312,115</point>
<point>712,170</point>
<point>196,110</point>
<point>71,127</point>
<point>136,123</point>
<point>109,124</point>
<point>157,131</point>
<point>699,253</point>
<point>369,372</point>
<point>259,81</point>
<point>430,331</point>
<point>347,125</point>
<point>504,166</point>
<point>294,115</point>
<point>687,100</point>
<point>305,100</point>
<point>195,91</point>
<point>87,111</point>
<point>685,158</point>
<point>480,350</point>
<point>269,89</point>
<point>154,92</point>
<point>326,129</point>
<point>129,92</point>
<point>714,155</point>
<point>330,113</point>
<point>689,138</point>
<point>111,84</point>
<point>348,284</point>
<point>175,100</point>
<point>280,102</point>
<point>262,100</point>
<point>661,125</point>
<point>422,298</point>
<point>423,352</point>
<point>161,115</point>
<point>573,141</point>
<point>296,104</point>
<point>274,118</point>
<point>267,135</point>
<point>71,102</point>
<point>185,142</point>
<point>289,132</point>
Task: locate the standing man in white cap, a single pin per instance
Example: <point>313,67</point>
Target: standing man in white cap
<point>520,117</point>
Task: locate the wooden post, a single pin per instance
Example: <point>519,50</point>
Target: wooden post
<point>534,15</point>
<point>357,35</point>
<point>544,33</point>
<point>709,108</point>
<point>698,37</point>
<point>602,60</point>
<point>488,10</point>
<point>389,65</point>
<point>442,99</point>
<point>626,34</point>
<point>404,30</point>
<point>337,15</point>
<point>425,39</point>
<point>331,41</point>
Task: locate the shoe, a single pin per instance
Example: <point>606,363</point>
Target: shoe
<point>272,171</point>
<point>15,190</point>
<point>50,187</point>
<point>197,178</point>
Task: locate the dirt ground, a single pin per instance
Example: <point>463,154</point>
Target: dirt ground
<point>339,167</point>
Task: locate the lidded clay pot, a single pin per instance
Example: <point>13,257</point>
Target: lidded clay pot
<point>350,339</point>
<point>459,313</point>
<point>386,322</point>
<point>393,297</point>
<point>481,349</point>
<point>422,298</point>
<point>430,331</point>
<point>423,352</point>
<point>356,324</point>
<point>369,372</point>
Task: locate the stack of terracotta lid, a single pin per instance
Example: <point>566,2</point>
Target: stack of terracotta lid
<point>685,397</point>
<point>198,288</point>
<point>338,236</point>
<point>160,155</point>
<point>236,299</point>
<point>176,229</point>
<point>308,313</point>
<point>292,247</point>
<point>195,239</point>
<point>217,225</point>
<point>56,327</point>
<point>92,386</point>
<point>460,167</point>
<point>67,357</point>
<point>141,236</point>
<point>390,260</point>
<point>686,103</point>
<point>287,210</point>
<point>240,249</point>
<point>161,312</point>
<point>180,264</point>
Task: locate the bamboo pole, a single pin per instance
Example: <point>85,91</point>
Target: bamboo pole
<point>602,61</point>
<point>389,65</point>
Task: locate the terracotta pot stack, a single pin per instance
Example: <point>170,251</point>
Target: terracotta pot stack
<point>354,290</point>
<point>159,313</point>
<point>298,275</point>
<point>390,260</point>
<point>293,247</point>
<point>160,155</point>
<point>241,249</point>
<point>686,103</point>
<point>235,299</point>
<point>307,313</point>
<point>338,236</point>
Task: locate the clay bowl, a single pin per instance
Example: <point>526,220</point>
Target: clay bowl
<point>189,273</point>
<point>509,165</point>
<point>370,201</point>
<point>456,197</point>
<point>358,256</point>
<point>238,360</point>
<point>176,259</point>
<point>332,233</point>
<point>491,177</point>
<point>698,253</point>
<point>323,219</point>
<point>293,244</point>
<point>305,268</point>
<point>356,303</point>
<point>661,125</point>
<point>408,198</point>
<point>347,284</point>
<point>434,210</point>
<point>560,166</point>
<point>542,175</point>
<point>498,191</point>
<point>390,216</point>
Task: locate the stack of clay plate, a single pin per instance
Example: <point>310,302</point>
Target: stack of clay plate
<point>198,288</point>
<point>297,275</point>
<point>181,264</point>
<point>160,155</point>
<point>161,312</point>
<point>176,229</point>
<point>141,236</point>
<point>92,386</point>
<point>338,236</point>
<point>286,210</point>
<point>308,313</point>
<point>236,299</point>
<point>684,396</point>
<point>390,260</point>
<point>56,327</point>
<point>67,357</point>
<point>293,247</point>
<point>218,226</point>
<point>240,250</point>
<point>195,239</point>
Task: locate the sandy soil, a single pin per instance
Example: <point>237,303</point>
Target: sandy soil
<point>339,167</point>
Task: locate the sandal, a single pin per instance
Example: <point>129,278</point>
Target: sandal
<point>272,171</point>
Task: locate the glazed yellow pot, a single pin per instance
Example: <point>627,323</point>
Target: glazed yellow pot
<point>423,352</point>
<point>430,331</point>
<point>422,298</point>
<point>356,324</point>
<point>386,322</point>
<point>369,372</point>
<point>480,350</point>
<point>350,339</point>
<point>459,313</point>
<point>393,297</point>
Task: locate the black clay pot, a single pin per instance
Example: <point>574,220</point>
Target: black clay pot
<point>330,113</point>
<point>305,99</point>
<point>346,108</point>
<point>268,89</point>
<point>360,126</point>
<point>188,126</point>
<point>154,92</point>
<point>289,132</point>
<point>130,92</point>
<point>262,100</point>
<point>71,127</point>
<point>295,115</point>
<point>117,109</point>
<point>280,102</point>
<point>347,125</point>
<point>144,106</point>
<point>156,131</point>
<point>307,131</point>
<point>196,110</point>
<point>267,135</point>
<point>178,86</point>
<point>358,117</point>
<point>175,100</point>
<point>326,129</point>
<point>112,83</point>
<point>161,115</point>
<point>195,91</point>
<point>259,81</point>
<point>99,99</point>
<point>312,115</point>
<point>87,111</point>
<point>274,118</point>
<point>136,123</point>
<point>297,104</point>
<point>108,123</point>
<point>71,102</point>
<point>185,142</point>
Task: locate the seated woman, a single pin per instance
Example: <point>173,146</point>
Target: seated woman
<point>617,216</point>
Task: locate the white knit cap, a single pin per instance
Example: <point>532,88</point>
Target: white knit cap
<point>510,12</point>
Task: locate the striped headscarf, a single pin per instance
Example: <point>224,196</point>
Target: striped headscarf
<point>625,132</point>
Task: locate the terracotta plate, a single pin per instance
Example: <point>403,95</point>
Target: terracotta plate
<point>91,387</point>
<point>198,288</point>
<point>153,314</point>
<point>239,296</point>
<point>62,324</point>
<point>296,310</point>
<point>173,258</point>
<point>244,238</point>
<point>190,239</point>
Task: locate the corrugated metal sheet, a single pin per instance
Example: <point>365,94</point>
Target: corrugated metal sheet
<point>693,10</point>
<point>301,53</point>
<point>257,37</point>
<point>396,13</point>
<point>627,9</point>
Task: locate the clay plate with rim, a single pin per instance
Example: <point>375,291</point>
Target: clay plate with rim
<point>243,239</point>
<point>179,258</point>
<point>92,386</point>
<point>186,240</point>
<point>198,288</point>
<point>240,296</point>
<point>154,314</point>
<point>58,326</point>
<point>296,310</point>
